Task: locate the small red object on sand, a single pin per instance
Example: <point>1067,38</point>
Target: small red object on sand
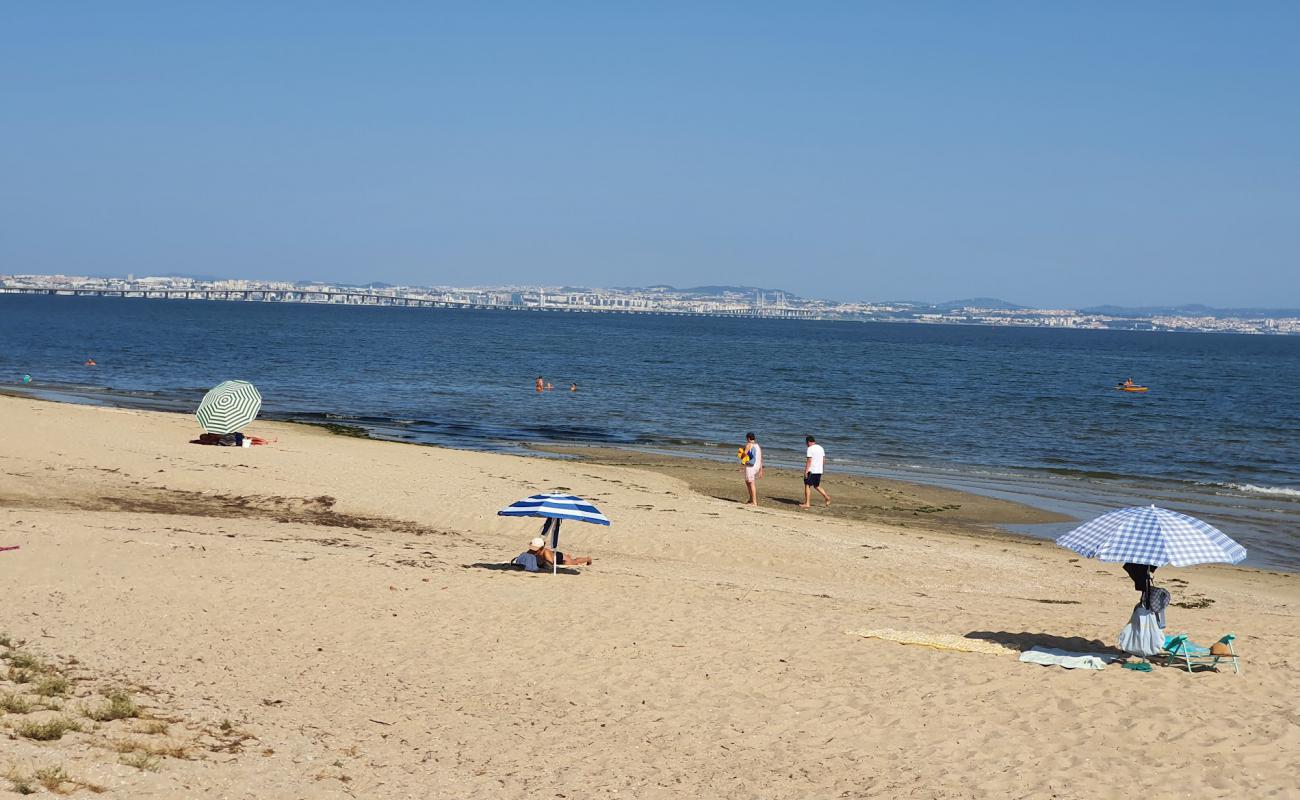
<point>11,547</point>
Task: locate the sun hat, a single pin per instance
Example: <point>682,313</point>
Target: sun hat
<point>536,543</point>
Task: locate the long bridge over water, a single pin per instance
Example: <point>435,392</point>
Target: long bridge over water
<point>357,297</point>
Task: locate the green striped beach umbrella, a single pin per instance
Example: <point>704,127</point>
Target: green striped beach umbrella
<point>229,406</point>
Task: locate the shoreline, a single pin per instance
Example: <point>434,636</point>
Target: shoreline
<point>935,510</point>
<point>864,497</point>
<point>976,516</point>
<point>1049,504</point>
<point>857,498</point>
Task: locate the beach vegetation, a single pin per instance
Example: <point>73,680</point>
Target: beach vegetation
<point>52,777</point>
<point>145,762</point>
<point>166,749</point>
<point>48,731</point>
<point>53,686</point>
<point>16,675</point>
<point>119,706</point>
<point>5,641</point>
<point>19,783</point>
<point>13,703</point>
<point>152,727</point>
<point>20,660</point>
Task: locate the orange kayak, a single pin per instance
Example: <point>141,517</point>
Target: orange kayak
<point>1132,388</point>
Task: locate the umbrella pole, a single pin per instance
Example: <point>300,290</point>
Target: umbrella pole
<point>546,529</point>
<point>555,547</point>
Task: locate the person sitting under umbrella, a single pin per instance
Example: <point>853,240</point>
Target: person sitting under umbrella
<point>540,557</point>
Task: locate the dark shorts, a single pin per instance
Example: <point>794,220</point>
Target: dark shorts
<point>812,479</point>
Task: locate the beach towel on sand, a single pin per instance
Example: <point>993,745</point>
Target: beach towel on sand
<point>1051,656</point>
<point>939,641</point>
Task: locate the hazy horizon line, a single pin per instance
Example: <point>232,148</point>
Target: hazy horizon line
<point>971,300</point>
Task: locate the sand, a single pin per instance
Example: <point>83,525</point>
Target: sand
<point>326,617</point>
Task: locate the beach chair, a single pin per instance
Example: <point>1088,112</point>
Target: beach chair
<point>1181,651</point>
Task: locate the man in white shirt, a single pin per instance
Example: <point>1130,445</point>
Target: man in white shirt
<point>813,467</point>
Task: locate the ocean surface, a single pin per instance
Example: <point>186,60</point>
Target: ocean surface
<point>1025,413</point>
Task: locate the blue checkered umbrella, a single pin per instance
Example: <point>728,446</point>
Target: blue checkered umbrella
<point>555,508</point>
<point>1154,536</point>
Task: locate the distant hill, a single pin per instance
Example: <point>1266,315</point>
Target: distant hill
<point>121,276</point>
<point>980,302</point>
<point>735,290</point>
<point>1191,310</point>
<point>714,291</point>
<point>708,291</point>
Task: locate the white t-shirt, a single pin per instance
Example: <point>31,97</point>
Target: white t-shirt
<point>818,456</point>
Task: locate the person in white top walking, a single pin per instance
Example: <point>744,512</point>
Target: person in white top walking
<point>813,467</point>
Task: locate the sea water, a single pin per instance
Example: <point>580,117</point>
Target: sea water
<point>1026,413</point>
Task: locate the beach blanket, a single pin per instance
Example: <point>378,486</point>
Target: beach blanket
<point>938,641</point>
<point>1051,656</point>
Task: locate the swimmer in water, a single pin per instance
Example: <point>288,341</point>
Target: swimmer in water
<point>573,387</point>
<point>540,383</point>
<point>90,362</point>
<point>549,387</point>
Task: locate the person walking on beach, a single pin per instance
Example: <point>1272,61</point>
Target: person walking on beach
<point>813,467</point>
<point>752,465</point>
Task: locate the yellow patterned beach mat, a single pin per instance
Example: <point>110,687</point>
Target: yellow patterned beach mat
<point>939,641</point>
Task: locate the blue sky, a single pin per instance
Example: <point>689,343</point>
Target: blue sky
<point>1046,153</point>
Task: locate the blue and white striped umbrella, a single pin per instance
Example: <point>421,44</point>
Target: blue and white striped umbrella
<point>555,508</point>
<point>1154,536</point>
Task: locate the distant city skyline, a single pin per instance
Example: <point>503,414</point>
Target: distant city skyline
<point>1052,156</point>
<point>716,301</point>
<point>953,301</point>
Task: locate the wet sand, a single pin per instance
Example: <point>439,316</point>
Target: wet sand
<point>854,497</point>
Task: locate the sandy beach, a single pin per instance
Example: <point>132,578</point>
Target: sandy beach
<point>328,617</point>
